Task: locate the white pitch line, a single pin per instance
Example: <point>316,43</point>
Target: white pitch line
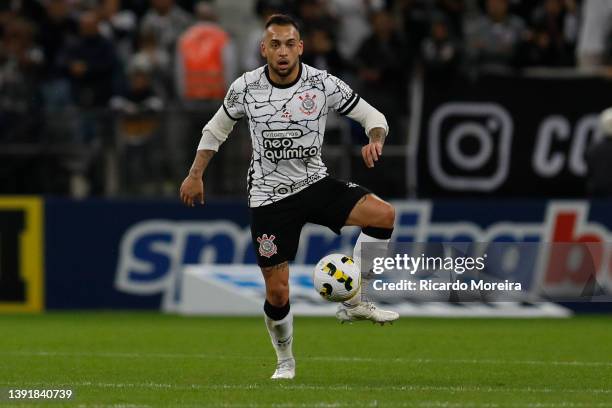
<point>96,405</point>
<point>314,358</point>
<point>346,387</point>
<point>466,361</point>
<point>421,404</point>
<point>450,404</point>
<point>372,404</point>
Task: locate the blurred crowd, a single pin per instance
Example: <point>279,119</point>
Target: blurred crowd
<point>139,57</point>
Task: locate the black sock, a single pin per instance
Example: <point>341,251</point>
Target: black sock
<point>378,233</point>
<point>274,312</point>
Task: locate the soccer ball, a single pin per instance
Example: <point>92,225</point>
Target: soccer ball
<point>337,277</point>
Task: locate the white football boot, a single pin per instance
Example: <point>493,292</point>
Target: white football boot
<point>366,311</point>
<point>285,370</point>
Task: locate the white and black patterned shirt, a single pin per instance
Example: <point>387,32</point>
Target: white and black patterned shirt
<point>287,125</point>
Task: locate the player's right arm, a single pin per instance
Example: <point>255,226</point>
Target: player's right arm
<point>192,188</point>
<point>214,134</point>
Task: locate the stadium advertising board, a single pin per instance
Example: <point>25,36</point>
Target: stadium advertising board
<point>21,254</point>
<point>132,254</point>
<point>470,134</point>
<point>82,265</point>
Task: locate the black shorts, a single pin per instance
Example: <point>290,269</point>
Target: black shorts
<point>276,227</point>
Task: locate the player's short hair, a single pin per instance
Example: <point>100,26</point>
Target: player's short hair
<point>282,20</point>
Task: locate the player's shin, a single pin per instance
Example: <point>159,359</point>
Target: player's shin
<point>279,321</point>
<point>368,235</point>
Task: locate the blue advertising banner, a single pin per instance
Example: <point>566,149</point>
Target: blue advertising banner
<point>84,246</point>
<point>131,254</point>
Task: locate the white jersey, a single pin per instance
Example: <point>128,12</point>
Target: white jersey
<point>287,125</point>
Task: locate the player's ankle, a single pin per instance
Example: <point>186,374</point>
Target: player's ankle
<point>354,301</point>
<point>282,356</point>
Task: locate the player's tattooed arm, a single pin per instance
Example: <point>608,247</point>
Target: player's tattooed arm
<point>192,189</point>
<point>200,163</point>
<point>377,134</point>
<point>373,150</point>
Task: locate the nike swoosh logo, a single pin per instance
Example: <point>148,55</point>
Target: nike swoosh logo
<point>260,106</point>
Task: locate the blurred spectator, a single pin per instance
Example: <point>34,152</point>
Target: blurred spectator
<point>252,58</point>
<point>599,183</point>
<point>57,27</point>
<point>138,7</point>
<point>140,95</point>
<point>158,59</point>
<point>571,26</point>
<point>205,66</point>
<point>89,63</point>
<point>353,25</point>
<point>454,11</point>
<point>20,65</point>
<point>315,13</point>
<point>494,39</point>
<point>383,68</point>
<point>137,127</point>
<point>168,21</point>
<point>594,33</point>
<point>118,26</point>
<point>553,36</point>
<point>416,19</point>
<point>440,52</point>
<point>318,29</point>
<point>31,10</point>
<point>6,14</point>
<point>522,8</point>
<point>205,59</point>
<point>320,51</point>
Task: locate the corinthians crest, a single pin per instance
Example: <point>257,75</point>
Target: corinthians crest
<point>308,103</point>
<point>267,247</point>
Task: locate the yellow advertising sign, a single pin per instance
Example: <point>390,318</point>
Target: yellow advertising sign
<point>22,254</point>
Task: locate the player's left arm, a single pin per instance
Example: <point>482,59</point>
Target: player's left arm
<point>345,101</point>
<point>376,127</point>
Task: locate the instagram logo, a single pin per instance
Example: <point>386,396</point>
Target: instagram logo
<point>469,145</point>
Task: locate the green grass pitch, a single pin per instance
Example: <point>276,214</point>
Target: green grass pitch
<point>147,359</point>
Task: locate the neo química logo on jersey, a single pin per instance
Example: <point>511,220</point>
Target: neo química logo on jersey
<point>279,145</point>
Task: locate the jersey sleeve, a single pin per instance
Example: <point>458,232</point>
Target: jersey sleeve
<point>340,96</point>
<point>233,103</point>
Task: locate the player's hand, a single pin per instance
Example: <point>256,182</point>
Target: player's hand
<point>371,152</point>
<point>192,191</point>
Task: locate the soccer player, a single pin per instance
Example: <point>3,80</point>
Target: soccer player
<point>286,103</point>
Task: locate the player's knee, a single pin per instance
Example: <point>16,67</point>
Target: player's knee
<point>387,215</point>
<point>278,294</point>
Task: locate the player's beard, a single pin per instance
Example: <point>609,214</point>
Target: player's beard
<point>288,72</point>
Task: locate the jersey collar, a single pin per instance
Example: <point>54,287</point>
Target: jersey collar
<point>283,86</point>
